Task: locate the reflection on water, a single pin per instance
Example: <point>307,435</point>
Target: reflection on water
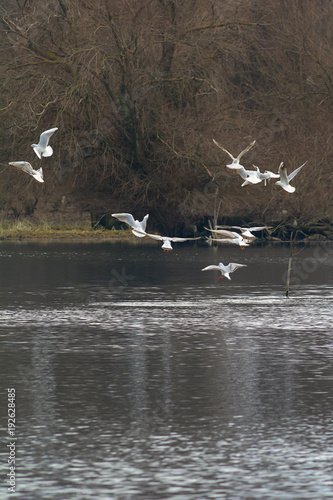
<point>139,377</point>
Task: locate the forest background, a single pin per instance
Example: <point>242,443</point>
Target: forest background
<point>138,90</point>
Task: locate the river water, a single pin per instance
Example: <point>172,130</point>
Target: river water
<point>139,377</point>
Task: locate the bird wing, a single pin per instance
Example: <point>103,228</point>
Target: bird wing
<point>157,237</point>
<point>22,165</point>
<point>271,175</point>
<point>223,232</point>
<point>258,228</point>
<point>292,175</point>
<point>228,234</point>
<point>139,234</point>
<point>38,175</point>
<point>37,150</point>
<point>246,232</point>
<point>233,266</point>
<point>211,268</point>
<point>143,223</point>
<point>127,218</point>
<point>263,175</point>
<point>266,175</point>
<point>283,173</point>
<point>175,239</point>
<point>45,136</point>
<point>221,147</point>
<point>246,150</point>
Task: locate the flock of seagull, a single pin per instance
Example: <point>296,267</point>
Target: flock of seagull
<point>255,176</point>
<point>243,238</point>
<point>41,149</point>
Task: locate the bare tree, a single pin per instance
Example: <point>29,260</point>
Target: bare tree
<point>139,89</point>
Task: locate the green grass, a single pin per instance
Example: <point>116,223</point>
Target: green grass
<point>81,230</point>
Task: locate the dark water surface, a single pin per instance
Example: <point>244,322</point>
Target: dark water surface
<point>139,377</point>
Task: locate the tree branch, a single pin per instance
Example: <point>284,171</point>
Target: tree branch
<point>221,25</point>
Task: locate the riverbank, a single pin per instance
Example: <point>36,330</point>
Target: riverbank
<point>84,231</point>
<point>19,230</point>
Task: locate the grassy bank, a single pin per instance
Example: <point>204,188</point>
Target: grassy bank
<point>19,230</point>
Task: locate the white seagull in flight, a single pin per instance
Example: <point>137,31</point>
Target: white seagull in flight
<point>229,237</point>
<point>265,176</point>
<point>138,228</point>
<point>42,148</point>
<point>285,178</point>
<point>225,270</point>
<point>235,165</point>
<point>167,240</point>
<point>247,231</point>
<point>255,176</point>
<point>27,168</point>
<point>249,176</point>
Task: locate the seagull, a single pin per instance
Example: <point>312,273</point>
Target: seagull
<point>285,178</point>
<point>138,228</point>
<point>42,148</point>
<point>249,176</point>
<point>27,168</point>
<point>225,270</point>
<point>265,176</point>
<point>247,231</point>
<point>167,240</point>
<point>255,176</point>
<point>229,237</point>
<point>235,165</point>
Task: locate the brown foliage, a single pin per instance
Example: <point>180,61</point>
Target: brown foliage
<point>139,89</point>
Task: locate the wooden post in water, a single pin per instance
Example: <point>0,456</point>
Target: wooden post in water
<point>289,263</point>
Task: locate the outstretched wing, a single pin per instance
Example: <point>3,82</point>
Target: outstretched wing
<point>221,147</point>
<point>157,237</point>
<point>45,137</point>
<point>175,239</point>
<point>246,150</point>
<point>233,266</point>
<point>22,165</point>
<point>283,174</point>
<point>271,175</point>
<point>143,223</point>
<point>292,175</point>
<point>127,218</point>
<point>223,232</point>
<point>139,234</point>
<point>258,228</point>
<point>211,268</point>
<point>38,175</point>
